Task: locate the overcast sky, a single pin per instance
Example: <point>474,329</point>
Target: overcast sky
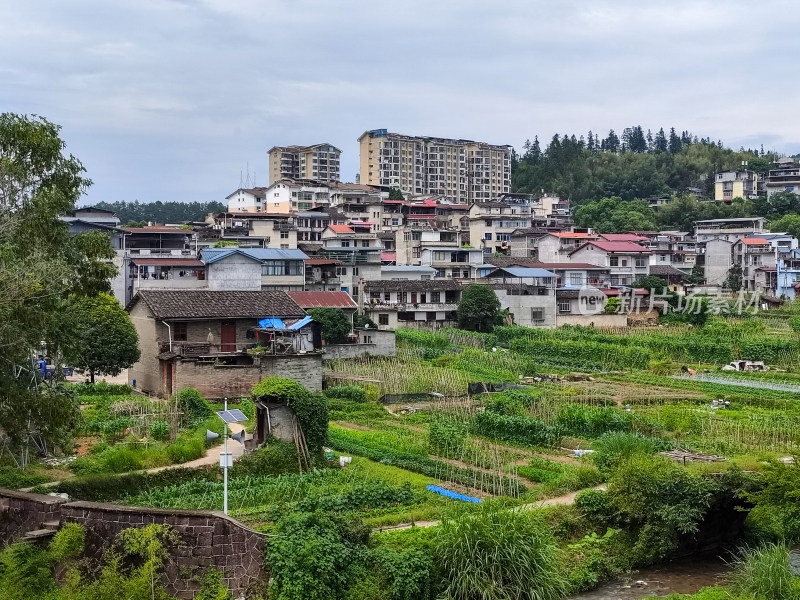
<point>172,100</point>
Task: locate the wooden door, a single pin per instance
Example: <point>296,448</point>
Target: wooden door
<point>228,337</point>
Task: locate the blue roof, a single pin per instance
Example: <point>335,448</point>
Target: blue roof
<point>271,322</point>
<point>211,255</point>
<point>301,323</point>
<point>525,272</point>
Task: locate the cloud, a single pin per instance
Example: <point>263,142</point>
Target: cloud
<point>169,99</point>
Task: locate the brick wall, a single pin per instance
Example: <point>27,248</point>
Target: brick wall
<point>218,381</point>
<point>21,512</point>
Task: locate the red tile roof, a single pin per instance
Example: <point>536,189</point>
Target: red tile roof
<point>174,262</point>
<point>340,229</point>
<point>567,265</point>
<point>572,234</point>
<point>322,299</point>
<point>754,241</point>
<point>614,246</point>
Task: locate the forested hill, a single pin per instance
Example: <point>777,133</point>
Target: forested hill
<point>635,164</point>
<point>161,212</point>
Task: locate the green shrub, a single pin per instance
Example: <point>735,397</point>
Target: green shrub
<point>494,553</point>
<point>15,478</point>
<point>354,393</point>
<point>68,542</point>
<point>194,407</point>
<point>583,421</point>
<point>448,437</point>
<point>370,494</point>
<point>516,429</point>
<point>612,448</point>
<point>214,587</point>
<point>595,504</point>
<point>100,388</point>
<point>764,573</point>
<point>110,488</point>
<point>159,430</point>
<point>777,503</point>
<point>275,458</point>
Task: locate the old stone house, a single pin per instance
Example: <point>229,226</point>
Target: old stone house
<point>204,339</point>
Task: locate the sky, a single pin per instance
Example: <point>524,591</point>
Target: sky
<point>181,100</point>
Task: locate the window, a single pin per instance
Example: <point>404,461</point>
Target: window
<point>564,307</point>
<point>575,279</point>
<point>345,243</point>
<point>614,261</point>
<point>624,262</point>
<point>488,222</point>
<point>383,319</point>
<point>487,237</point>
<point>439,256</point>
<point>436,297</point>
<point>284,235</point>
<point>341,271</point>
<point>439,273</point>
<point>179,332</point>
<point>284,246</point>
<point>402,297</point>
<point>355,271</point>
<point>537,315</point>
<point>365,243</point>
<point>641,262</point>
<point>282,267</point>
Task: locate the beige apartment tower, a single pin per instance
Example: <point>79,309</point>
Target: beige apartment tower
<point>319,162</point>
<point>459,170</point>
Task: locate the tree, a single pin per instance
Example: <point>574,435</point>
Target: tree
<point>478,309</point>
<point>777,204</point>
<point>650,282</point>
<point>615,215</point>
<point>660,141</point>
<point>698,275</point>
<point>41,268</point>
<point>336,325</point>
<point>787,224</point>
<point>105,340</point>
<point>395,194</point>
<point>733,280</point>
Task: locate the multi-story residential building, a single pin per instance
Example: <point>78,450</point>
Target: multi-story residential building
<point>735,184</point>
<point>319,162</point>
<point>321,274</point>
<point>759,258</point>
<point>249,230</point>
<point>355,193</point>
<point>556,247</point>
<point>310,225</point>
<point>455,262</point>
<point>524,241</point>
<point>430,304</point>
<point>491,225</point>
<point>783,176</point>
<point>529,294</point>
<point>255,268</point>
<point>407,273</point>
<point>728,229</point>
<point>626,261</point>
<point>409,241</point>
<point>358,248</point>
<point>283,196</point>
<point>787,275</point>
<point>157,242</point>
<point>461,170</point>
<point>676,249</point>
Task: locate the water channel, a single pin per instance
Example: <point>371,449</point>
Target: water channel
<point>682,576</point>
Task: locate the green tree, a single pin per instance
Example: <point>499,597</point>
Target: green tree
<point>777,204</point>
<point>787,224</point>
<point>615,215</point>
<point>105,340</point>
<point>698,275</point>
<point>733,280</point>
<point>336,325</point>
<point>478,309</point>
<point>395,194</point>
<point>41,268</point>
<point>650,282</point>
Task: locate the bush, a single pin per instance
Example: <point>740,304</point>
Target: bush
<point>777,503</point>
<point>14,478</point>
<point>110,488</point>
<point>499,554</point>
<point>595,504</point>
<point>194,407</point>
<point>612,448</point>
<point>765,573</point>
<point>275,458</point>
<point>447,437</point>
<point>101,388</point>
<point>355,393</point>
<point>526,431</point>
<point>159,430</point>
<point>578,420</point>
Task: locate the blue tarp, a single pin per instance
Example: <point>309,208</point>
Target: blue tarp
<point>455,495</point>
<point>301,323</point>
<point>271,322</point>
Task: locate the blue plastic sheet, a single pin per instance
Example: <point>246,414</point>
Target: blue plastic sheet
<point>454,495</point>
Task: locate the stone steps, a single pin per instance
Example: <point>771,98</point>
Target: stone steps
<point>38,534</point>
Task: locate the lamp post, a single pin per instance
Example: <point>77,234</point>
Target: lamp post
<point>225,459</point>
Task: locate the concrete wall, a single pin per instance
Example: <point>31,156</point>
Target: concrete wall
<point>208,538</point>
<point>719,260</point>
<point>235,272</point>
<point>522,306</point>
<point>146,370</point>
<point>218,381</point>
<point>373,342</point>
<point>599,320</point>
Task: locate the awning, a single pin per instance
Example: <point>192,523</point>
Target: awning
<point>271,323</point>
<point>301,323</point>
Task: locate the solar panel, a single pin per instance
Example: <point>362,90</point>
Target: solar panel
<point>233,415</point>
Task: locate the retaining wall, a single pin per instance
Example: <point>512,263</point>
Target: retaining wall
<point>208,538</point>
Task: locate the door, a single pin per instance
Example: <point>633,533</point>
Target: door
<point>228,336</point>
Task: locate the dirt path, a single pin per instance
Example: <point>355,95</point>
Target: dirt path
<point>564,500</point>
<point>211,458</point>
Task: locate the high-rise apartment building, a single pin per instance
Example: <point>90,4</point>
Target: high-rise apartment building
<point>460,170</point>
<point>319,162</point>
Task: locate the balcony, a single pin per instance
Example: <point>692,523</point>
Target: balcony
<point>160,252</point>
<point>413,306</point>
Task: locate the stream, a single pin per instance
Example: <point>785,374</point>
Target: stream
<point>682,576</point>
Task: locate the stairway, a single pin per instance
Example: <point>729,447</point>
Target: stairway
<point>49,529</point>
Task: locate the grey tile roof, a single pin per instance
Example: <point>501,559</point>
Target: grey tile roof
<point>429,285</point>
<point>206,304</point>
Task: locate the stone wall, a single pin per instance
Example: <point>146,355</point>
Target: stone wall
<point>208,538</point>
<point>218,381</point>
<point>21,512</point>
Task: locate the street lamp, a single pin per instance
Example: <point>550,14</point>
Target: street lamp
<point>225,458</point>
